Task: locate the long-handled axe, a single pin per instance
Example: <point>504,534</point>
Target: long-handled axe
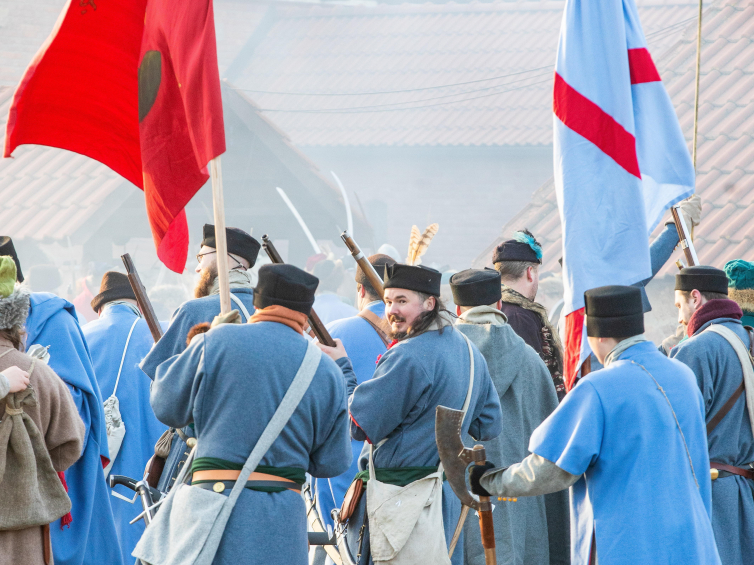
<point>455,457</point>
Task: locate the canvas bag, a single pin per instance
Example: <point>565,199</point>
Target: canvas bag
<point>114,424</point>
<point>405,523</point>
<point>190,524</point>
<point>31,493</point>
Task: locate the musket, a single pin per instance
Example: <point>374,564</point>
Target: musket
<point>314,322</point>
<point>685,238</point>
<point>366,266</point>
<point>141,298</point>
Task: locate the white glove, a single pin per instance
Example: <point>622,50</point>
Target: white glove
<point>692,211</point>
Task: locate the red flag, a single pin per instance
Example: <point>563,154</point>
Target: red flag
<point>143,99</point>
<point>80,91</point>
<point>180,116</point>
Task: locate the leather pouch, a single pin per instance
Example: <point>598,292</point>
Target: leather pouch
<point>351,499</point>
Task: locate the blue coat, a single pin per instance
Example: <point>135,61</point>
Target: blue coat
<point>399,403</point>
<point>172,343</point>
<point>229,383</point>
<point>363,346</point>
<point>106,338</point>
<point>638,494</point>
<point>718,373</point>
<point>91,537</point>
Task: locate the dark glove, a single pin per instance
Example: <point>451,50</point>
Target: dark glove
<point>475,473</point>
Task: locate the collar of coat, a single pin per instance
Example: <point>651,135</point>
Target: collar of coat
<point>511,296</point>
<point>482,315</point>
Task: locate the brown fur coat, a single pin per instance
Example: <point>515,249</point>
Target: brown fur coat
<point>59,423</point>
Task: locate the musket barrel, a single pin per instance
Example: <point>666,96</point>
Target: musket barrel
<point>142,299</point>
<point>684,237</point>
<point>315,323</point>
<point>366,266</point>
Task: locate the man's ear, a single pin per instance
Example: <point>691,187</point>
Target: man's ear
<point>458,310</point>
<point>361,290</point>
<point>431,303</point>
<point>530,274</point>
<point>697,297</point>
<point>499,305</point>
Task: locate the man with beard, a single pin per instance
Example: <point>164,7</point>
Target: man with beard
<point>518,260</point>
<point>717,350</point>
<point>364,336</point>
<point>427,365</point>
<point>242,254</point>
<point>535,529</point>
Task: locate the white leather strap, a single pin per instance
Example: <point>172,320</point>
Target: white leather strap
<point>123,357</point>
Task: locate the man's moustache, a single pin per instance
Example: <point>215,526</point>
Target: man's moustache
<point>396,319</point>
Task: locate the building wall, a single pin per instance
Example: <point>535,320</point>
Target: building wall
<point>470,191</point>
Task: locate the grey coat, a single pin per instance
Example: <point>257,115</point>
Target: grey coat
<point>533,530</point>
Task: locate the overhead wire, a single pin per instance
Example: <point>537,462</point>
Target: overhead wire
<point>399,106</point>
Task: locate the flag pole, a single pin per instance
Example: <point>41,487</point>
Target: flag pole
<point>696,91</point>
<point>221,244</point>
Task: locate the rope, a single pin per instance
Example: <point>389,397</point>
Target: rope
<point>677,423</point>
<point>123,358</point>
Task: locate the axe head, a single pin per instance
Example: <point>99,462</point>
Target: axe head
<point>455,457</point>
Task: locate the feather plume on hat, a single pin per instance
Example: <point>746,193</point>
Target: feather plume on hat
<point>419,243</point>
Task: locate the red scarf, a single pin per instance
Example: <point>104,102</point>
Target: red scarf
<point>282,315</point>
<point>712,310</point>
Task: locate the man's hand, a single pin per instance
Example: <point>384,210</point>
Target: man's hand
<point>17,378</point>
<point>336,352</point>
<point>692,211</point>
<point>475,474</point>
<point>232,317</point>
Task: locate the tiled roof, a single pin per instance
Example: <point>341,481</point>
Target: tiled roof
<point>50,193</point>
<point>410,74</point>
<point>725,171</point>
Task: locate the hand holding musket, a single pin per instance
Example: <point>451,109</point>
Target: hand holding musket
<point>684,235</point>
<point>315,323</point>
<point>366,266</point>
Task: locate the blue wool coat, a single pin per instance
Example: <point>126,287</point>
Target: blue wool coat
<point>718,373</point>
<point>172,343</point>
<point>91,538</point>
<point>363,346</point>
<point>638,494</point>
<point>399,403</point>
<point>106,338</point>
<point>189,314</point>
<point>228,383</point>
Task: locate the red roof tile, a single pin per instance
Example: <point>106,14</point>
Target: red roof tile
<point>725,172</point>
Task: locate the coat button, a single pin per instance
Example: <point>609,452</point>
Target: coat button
<point>218,487</point>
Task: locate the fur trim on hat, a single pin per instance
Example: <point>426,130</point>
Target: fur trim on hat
<point>14,309</point>
<point>743,297</point>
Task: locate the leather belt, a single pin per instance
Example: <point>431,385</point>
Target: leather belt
<point>746,473</point>
<point>227,477</point>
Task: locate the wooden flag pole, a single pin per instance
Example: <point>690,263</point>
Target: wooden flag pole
<point>221,243</point>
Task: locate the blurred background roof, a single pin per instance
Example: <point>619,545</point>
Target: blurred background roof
<point>432,74</point>
<point>725,167</point>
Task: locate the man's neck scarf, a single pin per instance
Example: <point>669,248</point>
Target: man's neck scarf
<point>282,315</point>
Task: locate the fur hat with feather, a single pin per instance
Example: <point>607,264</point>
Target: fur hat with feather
<point>14,298</point>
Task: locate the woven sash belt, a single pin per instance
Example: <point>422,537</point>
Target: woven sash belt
<point>220,480</point>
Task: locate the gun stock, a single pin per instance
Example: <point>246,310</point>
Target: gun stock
<point>141,298</point>
<point>318,328</point>
<point>684,237</point>
<point>366,266</point>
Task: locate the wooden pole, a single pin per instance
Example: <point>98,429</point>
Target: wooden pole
<point>221,244</point>
<point>696,91</point>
